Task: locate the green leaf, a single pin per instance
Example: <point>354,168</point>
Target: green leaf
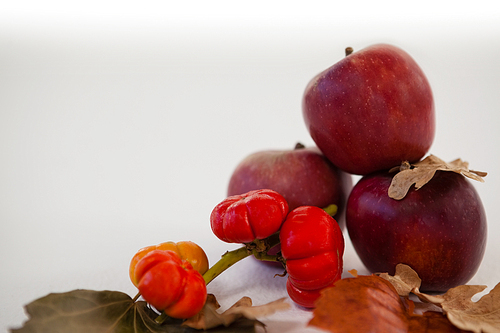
<point>89,311</point>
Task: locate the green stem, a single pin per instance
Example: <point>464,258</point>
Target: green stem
<point>161,318</point>
<point>257,248</point>
<point>331,209</point>
<point>266,257</point>
<point>227,260</point>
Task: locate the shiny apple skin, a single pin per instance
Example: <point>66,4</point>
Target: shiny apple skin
<point>304,176</point>
<point>371,110</point>
<point>439,230</point>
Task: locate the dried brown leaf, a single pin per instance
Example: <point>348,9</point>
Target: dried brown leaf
<point>405,280</point>
<point>456,303</point>
<point>422,172</point>
<point>209,318</point>
<point>254,312</point>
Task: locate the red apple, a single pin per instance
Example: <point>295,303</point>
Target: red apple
<point>438,230</point>
<point>371,110</point>
<point>302,175</point>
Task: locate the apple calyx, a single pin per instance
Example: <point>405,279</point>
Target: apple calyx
<point>422,172</point>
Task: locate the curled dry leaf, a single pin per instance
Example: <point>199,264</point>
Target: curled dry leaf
<point>405,280</point>
<point>209,318</point>
<point>422,172</point>
<point>456,303</point>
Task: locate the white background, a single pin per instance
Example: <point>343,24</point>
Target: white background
<point>120,124</point>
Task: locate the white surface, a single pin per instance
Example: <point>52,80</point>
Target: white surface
<point>120,125</point>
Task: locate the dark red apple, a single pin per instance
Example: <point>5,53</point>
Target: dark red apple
<point>302,175</point>
<point>371,110</point>
<point>438,230</point>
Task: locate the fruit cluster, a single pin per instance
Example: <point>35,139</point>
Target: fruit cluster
<point>369,113</point>
<point>172,276</point>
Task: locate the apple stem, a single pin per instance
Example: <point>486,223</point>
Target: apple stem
<point>299,146</point>
<point>348,50</point>
<point>331,209</point>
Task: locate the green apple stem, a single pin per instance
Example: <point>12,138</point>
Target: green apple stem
<point>331,209</point>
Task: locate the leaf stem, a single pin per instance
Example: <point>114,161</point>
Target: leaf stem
<point>136,297</point>
<point>161,318</point>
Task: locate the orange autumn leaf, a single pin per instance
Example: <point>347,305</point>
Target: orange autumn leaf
<point>360,304</point>
<point>372,304</point>
<point>431,322</point>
